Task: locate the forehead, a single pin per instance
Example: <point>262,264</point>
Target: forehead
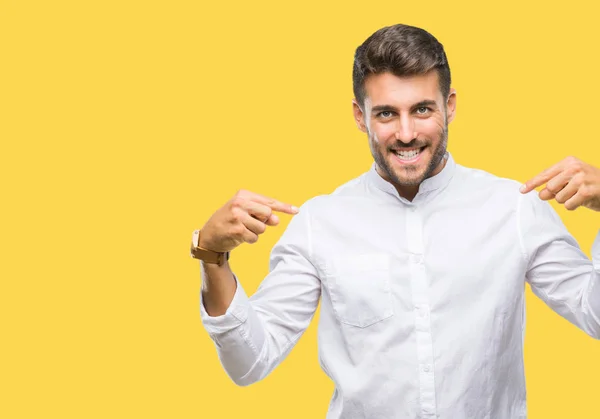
<point>388,89</point>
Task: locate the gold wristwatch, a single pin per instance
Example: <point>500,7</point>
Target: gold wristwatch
<point>205,255</point>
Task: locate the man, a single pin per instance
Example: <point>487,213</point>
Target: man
<point>420,263</point>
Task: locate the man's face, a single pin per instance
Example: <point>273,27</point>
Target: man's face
<point>406,120</point>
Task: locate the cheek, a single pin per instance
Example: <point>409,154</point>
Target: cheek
<point>383,132</point>
<point>431,127</point>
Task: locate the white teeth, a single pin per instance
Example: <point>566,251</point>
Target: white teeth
<point>408,155</point>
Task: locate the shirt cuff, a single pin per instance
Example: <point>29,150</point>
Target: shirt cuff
<point>236,314</point>
<point>596,252</point>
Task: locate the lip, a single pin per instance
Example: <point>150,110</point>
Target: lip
<point>412,161</point>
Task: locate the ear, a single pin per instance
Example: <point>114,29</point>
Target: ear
<point>451,105</point>
<point>359,116</point>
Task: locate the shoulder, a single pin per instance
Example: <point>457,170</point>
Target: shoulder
<point>478,179</point>
<point>351,194</point>
<point>477,185</point>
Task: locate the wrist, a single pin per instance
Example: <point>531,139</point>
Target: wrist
<point>205,254</point>
<point>203,243</point>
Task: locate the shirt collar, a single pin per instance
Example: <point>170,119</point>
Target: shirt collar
<point>437,182</point>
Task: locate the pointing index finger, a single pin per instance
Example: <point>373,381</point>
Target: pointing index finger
<point>274,204</point>
<point>540,179</point>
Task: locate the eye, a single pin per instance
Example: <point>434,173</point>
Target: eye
<point>422,110</point>
<point>385,114</point>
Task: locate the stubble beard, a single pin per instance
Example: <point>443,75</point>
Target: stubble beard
<point>438,154</point>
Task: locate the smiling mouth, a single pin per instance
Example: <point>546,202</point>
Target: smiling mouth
<point>409,155</point>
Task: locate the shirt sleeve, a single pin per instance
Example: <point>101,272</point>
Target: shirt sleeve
<point>257,333</point>
<point>557,270</point>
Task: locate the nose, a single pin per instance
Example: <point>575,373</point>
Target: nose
<point>405,131</point>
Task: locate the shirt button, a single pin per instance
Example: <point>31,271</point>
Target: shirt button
<point>426,368</point>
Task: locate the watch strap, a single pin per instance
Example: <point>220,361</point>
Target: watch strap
<point>206,255</point>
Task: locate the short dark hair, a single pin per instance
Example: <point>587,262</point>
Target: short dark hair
<point>403,51</point>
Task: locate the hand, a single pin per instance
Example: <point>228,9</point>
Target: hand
<point>241,219</point>
<point>571,182</point>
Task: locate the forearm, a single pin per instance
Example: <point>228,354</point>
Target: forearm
<point>593,296</point>
<point>593,306</point>
<point>586,311</point>
<point>558,270</point>
<point>569,283</point>
<point>218,288</point>
<point>234,327</point>
<point>252,336</point>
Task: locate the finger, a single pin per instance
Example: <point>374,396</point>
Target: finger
<point>567,192</point>
<point>252,224</point>
<point>558,182</point>
<point>273,220</point>
<point>274,204</point>
<point>555,185</point>
<point>542,178</point>
<point>259,211</point>
<point>575,201</point>
<point>247,235</point>
<point>250,237</point>
<point>546,195</point>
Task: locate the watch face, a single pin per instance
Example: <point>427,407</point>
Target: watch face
<point>195,238</point>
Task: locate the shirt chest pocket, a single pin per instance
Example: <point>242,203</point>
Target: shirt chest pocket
<point>360,288</point>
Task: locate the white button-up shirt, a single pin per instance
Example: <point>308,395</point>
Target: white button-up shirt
<point>423,306</point>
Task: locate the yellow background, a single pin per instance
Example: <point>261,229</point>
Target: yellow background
<point>125,124</point>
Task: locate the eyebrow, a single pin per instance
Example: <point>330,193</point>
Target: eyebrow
<point>382,108</point>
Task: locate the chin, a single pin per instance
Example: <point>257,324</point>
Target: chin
<point>410,181</point>
<point>413,176</point>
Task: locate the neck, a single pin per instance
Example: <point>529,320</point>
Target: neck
<point>407,192</point>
